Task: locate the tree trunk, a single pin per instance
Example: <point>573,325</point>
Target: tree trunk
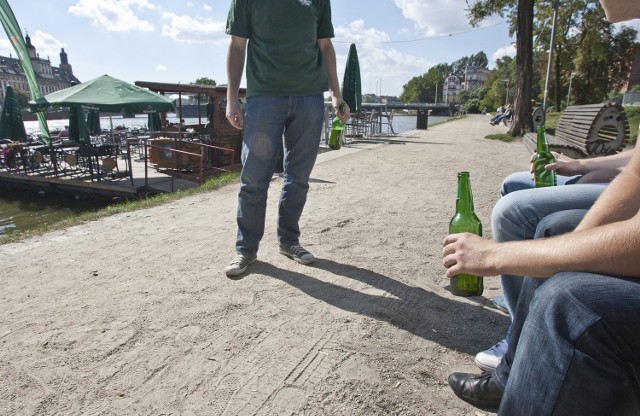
<point>523,121</point>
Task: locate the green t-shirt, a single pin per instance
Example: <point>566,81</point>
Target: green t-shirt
<point>283,57</point>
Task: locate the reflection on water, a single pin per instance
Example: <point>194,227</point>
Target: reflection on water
<point>23,210</point>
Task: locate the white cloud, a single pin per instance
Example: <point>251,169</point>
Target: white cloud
<point>160,68</point>
<point>440,17</point>
<point>435,17</point>
<point>207,7</point>
<point>114,15</point>
<point>509,50</point>
<point>194,30</point>
<point>379,63</point>
<point>47,46</point>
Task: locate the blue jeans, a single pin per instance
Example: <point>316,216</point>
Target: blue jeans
<point>574,348</point>
<point>266,120</point>
<point>522,180</point>
<point>517,215</point>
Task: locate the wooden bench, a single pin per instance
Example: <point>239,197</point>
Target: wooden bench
<point>587,131</point>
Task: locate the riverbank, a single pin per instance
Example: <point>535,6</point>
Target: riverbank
<point>132,314</point>
<point>28,210</point>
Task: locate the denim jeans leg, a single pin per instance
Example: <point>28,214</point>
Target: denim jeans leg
<point>553,224</point>
<point>301,141</point>
<point>519,181</point>
<point>517,215</point>
<point>264,124</point>
<point>578,349</point>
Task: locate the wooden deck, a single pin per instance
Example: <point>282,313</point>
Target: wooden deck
<point>122,183</point>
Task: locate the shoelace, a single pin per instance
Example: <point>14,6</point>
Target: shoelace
<point>238,260</point>
<point>298,250</point>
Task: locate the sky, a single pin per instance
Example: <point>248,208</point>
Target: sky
<point>181,41</point>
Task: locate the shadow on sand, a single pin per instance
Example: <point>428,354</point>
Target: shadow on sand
<point>410,308</point>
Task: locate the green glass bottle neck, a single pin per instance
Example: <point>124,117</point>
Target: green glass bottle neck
<point>542,145</point>
<point>464,203</point>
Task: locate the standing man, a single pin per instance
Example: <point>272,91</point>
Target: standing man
<point>290,64</point>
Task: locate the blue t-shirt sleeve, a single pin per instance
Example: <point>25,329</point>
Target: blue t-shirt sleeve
<point>238,19</point>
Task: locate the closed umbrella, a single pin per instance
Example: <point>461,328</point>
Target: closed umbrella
<point>78,131</point>
<point>351,84</point>
<point>153,121</point>
<point>11,123</point>
<point>93,122</point>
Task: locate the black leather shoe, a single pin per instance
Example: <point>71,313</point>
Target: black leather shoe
<point>478,390</point>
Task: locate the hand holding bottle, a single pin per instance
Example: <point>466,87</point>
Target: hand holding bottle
<point>337,128</point>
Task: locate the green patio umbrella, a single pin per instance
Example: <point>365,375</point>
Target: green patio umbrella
<point>107,94</point>
<point>11,123</point>
<point>351,84</point>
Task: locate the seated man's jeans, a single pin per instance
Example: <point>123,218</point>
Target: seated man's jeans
<point>266,120</point>
<point>575,342</point>
<point>517,215</point>
<point>523,180</point>
<point>575,350</point>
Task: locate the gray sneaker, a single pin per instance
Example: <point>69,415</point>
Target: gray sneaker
<point>297,253</point>
<point>239,264</point>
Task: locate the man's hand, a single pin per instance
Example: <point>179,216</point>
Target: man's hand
<point>234,114</point>
<point>344,116</point>
<point>469,254</point>
<point>564,165</point>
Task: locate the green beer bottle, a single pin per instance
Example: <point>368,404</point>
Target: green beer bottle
<point>337,130</point>
<point>542,158</point>
<point>465,220</point>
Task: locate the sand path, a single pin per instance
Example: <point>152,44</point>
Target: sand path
<point>132,314</point>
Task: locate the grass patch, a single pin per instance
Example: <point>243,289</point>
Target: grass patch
<point>501,137</point>
<point>122,207</point>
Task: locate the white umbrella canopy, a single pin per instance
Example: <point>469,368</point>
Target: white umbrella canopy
<point>621,10</point>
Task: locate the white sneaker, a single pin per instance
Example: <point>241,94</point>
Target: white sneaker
<point>488,360</point>
<point>239,264</point>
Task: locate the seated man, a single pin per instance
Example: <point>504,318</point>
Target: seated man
<point>498,118</point>
<point>584,322</point>
<point>517,215</point>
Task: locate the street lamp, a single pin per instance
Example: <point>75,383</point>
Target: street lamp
<point>555,6</point>
<point>569,93</point>
<point>435,101</point>
<point>506,98</point>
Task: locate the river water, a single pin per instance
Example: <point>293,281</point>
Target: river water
<point>26,210</point>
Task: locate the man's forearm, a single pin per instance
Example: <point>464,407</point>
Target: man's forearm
<point>329,58</point>
<point>235,66</point>
<point>609,249</point>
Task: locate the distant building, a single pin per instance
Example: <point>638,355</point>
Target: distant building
<point>50,78</point>
<point>473,78</point>
<point>452,87</point>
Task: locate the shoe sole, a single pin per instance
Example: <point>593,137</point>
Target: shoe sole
<point>297,259</point>
<point>483,367</point>
<point>237,272</point>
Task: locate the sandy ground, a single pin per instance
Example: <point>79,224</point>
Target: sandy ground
<point>132,314</point>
